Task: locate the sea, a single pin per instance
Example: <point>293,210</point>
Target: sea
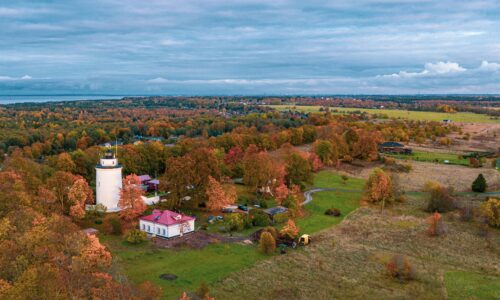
<point>6,99</point>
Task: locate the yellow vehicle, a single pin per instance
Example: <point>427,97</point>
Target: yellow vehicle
<point>304,240</point>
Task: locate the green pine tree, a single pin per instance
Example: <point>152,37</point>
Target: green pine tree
<point>479,185</point>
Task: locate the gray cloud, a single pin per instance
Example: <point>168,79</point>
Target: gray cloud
<point>252,47</point>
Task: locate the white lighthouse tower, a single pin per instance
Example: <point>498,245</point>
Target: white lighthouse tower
<point>108,181</point>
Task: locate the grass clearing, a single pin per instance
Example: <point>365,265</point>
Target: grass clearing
<point>470,285</point>
<point>404,114</point>
<point>439,157</point>
<point>345,201</point>
<point>210,264</point>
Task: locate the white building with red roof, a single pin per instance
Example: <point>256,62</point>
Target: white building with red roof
<point>166,223</point>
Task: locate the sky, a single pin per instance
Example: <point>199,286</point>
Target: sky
<point>249,47</point>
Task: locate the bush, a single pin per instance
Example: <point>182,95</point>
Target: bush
<point>267,244</point>
<point>259,218</point>
<point>332,212</point>
<point>116,225</point>
<point>272,231</point>
<point>400,268</point>
<point>280,218</point>
<point>479,185</point>
<point>203,291</point>
<point>234,222</point>
<point>436,226</point>
<point>490,209</point>
<point>135,236</point>
<point>439,198</point>
<point>388,160</point>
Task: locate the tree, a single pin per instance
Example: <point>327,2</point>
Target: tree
<point>217,197</point>
<point>79,194</point>
<point>65,163</point>
<point>267,243</point>
<point>280,193</point>
<point>131,203</point>
<point>290,230</point>
<point>490,209</point>
<point>439,199</point>
<point>298,169</point>
<point>479,185</point>
<point>378,187</point>
<point>325,151</point>
<point>60,184</point>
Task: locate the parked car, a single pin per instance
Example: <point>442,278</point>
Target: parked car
<point>243,207</point>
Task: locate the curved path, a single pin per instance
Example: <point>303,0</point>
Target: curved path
<point>309,198</point>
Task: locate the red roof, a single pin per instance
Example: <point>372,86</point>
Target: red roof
<point>166,217</point>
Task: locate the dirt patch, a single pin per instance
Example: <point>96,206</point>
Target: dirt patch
<point>195,240</point>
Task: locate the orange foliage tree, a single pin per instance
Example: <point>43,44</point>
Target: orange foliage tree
<point>290,230</point>
<point>79,194</point>
<point>378,188</point>
<point>131,203</point>
<point>217,197</point>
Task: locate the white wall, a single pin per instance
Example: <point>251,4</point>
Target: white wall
<point>108,186</point>
<point>170,231</point>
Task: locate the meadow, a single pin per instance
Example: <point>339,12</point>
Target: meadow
<point>438,157</point>
<point>465,117</point>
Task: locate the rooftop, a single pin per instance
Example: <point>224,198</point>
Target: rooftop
<point>166,217</point>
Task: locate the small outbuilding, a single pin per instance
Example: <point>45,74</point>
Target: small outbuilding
<point>166,224</point>
<point>394,147</point>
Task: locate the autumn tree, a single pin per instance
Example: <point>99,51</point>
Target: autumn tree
<point>290,230</point>
<point>378,187</point>
<point>436,226</point>
<point>298,169</point>
<point>260,170</point>
<point>131,203</point>
<point>60,184</point>
<point>79,194</point>
<point>217,197</point>
<point>439,197</point>
<point>267,243</point>
<point>490,209</point>
<point>281,193</point>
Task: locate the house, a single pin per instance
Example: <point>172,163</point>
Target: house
<point>273,211</point>
<point>148,183</point>
<point>166,223</point>
<point>394,147</point>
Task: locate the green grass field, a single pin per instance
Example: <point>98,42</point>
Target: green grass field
<point>346,202</point>
<point>210,264</point>
<point>469,285</point>
<point>453,159</point>
<point>404,114</point>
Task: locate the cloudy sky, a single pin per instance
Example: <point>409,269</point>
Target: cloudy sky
<point>249,47</point>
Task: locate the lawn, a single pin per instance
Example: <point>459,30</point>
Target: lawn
<point>404,114</point>
<point>453,159</point>
<point>470,285</point>
<point>210,264</point>
<point>346,201</point>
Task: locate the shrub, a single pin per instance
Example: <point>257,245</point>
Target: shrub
<point>272,231</point>
<point>135,236</point>
<point>479,185</point>
<point>116,225</point>
<point>436,226</point>
<point>267,244</point>
<point>203,291</point>
<point>439,198</point>
<point>290,230</point>
<point>259,217</point>
<point>388,160</point>
<point>280,218</point>
<point>400,268</point>
<point>344,179</point>
<point>490,209</point>
<point>233,222</point>
<point>332,212</point>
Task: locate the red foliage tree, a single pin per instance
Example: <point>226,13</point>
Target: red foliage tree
<point>217,197</point>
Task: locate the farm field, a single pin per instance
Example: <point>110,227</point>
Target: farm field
<point>439,157</point>
<point>404,114</point>
<point>349,261</point>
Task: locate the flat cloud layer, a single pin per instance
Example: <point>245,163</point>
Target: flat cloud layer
<point>249,47</point>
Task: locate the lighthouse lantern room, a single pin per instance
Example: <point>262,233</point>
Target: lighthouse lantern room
<point>108,181</point>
